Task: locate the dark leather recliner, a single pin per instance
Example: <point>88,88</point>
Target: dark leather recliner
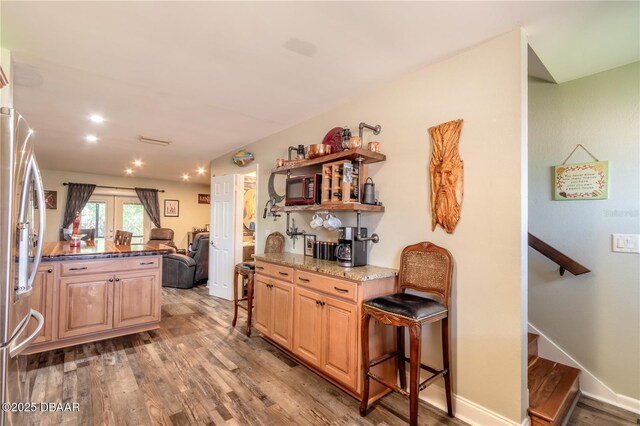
<point>162,236</point>
<point>183,271</point>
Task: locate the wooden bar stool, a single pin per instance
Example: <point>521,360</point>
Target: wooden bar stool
<point>246,270</point>
<point>427,268</point>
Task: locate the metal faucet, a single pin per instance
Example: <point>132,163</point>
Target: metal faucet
<point>292,231</point>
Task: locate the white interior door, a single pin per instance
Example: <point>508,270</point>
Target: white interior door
<point>225,235</point>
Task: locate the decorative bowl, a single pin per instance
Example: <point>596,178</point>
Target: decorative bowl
<point>318,150</point>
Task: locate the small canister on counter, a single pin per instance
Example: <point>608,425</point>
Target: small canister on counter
<point>332,251</point>
<point>323,250</point>
<point>317,250</point>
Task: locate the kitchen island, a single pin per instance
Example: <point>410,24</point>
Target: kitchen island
<point>96,291</point>
<point>311,309</point>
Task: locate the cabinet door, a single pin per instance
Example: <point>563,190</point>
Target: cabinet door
<point>85,305</point>
<point>262,305</point>
<point>42,301</point>
<point>282,313</point>
<point>307,334</point>
<point>339,334</point>
<point>136,298</point>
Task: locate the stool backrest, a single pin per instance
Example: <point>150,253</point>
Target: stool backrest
<point>275,243</point>
<point>427,268</point>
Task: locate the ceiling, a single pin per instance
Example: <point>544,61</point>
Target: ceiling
<point>213,76</point>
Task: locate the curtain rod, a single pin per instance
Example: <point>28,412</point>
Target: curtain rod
<point>115,187</point>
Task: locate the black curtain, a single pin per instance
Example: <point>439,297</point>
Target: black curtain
<point>149,200</point>
<point>77,196</point>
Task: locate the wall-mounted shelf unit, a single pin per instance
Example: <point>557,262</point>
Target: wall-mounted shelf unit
<point>351,207</point>
<point>359,158</point>
<point>352,154</point>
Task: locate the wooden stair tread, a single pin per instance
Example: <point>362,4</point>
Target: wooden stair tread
<point>531,337</point>
<point>552,389</point>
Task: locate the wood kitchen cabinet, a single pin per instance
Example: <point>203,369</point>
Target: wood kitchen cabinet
<point>87,300</point>
<point>316,318</point>
<point>325,334</point>
<point>42,301</point>
<point>85,305</point>
<point>137,298</point>
<point>274,310</point>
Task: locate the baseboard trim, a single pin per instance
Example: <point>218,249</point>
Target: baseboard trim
<point>467,411</point>
<point>590,385</point>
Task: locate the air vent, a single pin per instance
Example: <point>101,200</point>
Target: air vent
<point>154,141</point>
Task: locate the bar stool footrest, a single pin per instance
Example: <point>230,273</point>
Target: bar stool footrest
<point>431,379</point>
<point>389,385</point>
<point>383,358</point>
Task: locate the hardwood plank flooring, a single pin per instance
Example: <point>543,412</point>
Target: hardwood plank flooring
<point>197,370</point>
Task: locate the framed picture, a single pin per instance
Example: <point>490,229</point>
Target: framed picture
<point>204,198</point>
<point>50,200</point>
<point>309,241</point>
<point>171,208</point>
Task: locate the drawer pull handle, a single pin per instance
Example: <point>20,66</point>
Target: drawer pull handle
<point>341,290</point>
<point>147,263</point>
<point>322,303</point>
<point>110,280</point>
<point>304,280</point>
<point>117,279</point>
<point>286,274</point>
<point>49,270</point>
<point>260,267</point>
<point>78,269</point>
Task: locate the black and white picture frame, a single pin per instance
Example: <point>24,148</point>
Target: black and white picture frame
<point>309,241</point>
<point>171,208</point>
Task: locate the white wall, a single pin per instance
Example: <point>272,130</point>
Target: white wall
<point>6,93</point>
<point>594,317</point>
<point>486,86</point>
<point>191,213</point>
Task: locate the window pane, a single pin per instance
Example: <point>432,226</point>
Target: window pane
<point>133,220</point>
<point>93,216</point>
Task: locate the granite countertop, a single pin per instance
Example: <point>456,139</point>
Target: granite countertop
<point>299,261</point>
<point>99,249</point>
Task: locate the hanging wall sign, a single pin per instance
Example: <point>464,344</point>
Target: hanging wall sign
<point>582,181</point>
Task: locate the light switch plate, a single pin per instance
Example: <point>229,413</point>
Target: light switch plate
<point>625,243</point>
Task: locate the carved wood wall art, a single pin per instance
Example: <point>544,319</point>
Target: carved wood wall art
<point>446,169</point>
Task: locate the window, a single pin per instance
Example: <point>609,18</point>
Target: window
<point>94,215</point>
<point>133,220</point>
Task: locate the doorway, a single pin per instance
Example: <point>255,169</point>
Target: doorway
<point>108,213</point>
<point>234,227</point>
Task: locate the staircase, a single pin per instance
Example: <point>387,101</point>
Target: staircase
<point>553,388</point>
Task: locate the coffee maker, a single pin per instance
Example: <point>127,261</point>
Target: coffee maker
<point>351,252</point>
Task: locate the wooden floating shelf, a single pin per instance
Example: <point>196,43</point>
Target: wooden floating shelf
<point>350,154</point>
<point>347,207</point>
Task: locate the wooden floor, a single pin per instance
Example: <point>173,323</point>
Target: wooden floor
<point>197,370</point>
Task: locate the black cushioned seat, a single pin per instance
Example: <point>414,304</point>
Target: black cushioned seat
<point>407,305</point>
<point>247,265</point>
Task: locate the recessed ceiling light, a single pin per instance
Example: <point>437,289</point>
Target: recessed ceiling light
<point>91,138</point>
<point>129,171</point>
<point>137,163</point>
<point>96,118</point>
<point>201,170</point>
<point>185,177</point>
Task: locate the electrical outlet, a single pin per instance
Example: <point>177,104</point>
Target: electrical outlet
<point>625,243</point>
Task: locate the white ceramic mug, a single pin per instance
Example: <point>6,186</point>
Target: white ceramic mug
<point>316,221</point>
<point>331,222</point>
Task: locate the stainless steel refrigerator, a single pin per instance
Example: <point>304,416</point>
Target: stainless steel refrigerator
<point>21,238</point>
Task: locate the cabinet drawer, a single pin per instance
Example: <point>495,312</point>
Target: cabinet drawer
<point>280,272</point>
<point>82,267</point>
<point>335,287</point>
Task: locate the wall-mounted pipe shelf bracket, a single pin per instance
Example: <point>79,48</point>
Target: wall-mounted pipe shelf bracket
<point>292,230</point>
<point>374,238</point>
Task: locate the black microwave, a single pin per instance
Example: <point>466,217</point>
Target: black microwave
<point>303,190</point>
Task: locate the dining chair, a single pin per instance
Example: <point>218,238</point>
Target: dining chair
<point>123,238</point>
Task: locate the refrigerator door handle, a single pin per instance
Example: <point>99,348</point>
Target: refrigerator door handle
<point>33,164</point>
<point>16,350</point>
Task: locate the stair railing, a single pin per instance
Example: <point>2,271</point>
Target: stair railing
<point>564,261</point>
